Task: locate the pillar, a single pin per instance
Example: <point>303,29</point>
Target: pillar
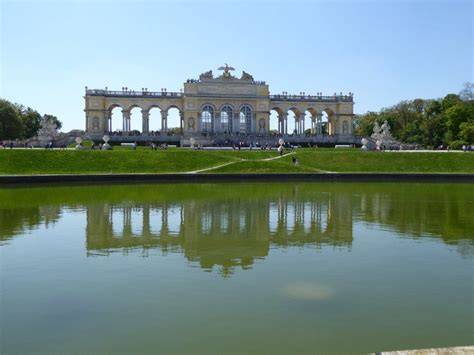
<point>180,118</point>
<point>164,121</point>
<point>236,123</point>
<point>285,117</point>
<point>126,120</point>
<point>319,119</point>
<point>145,121</point>
<point>108,119</point>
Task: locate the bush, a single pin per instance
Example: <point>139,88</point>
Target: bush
<point>457,145</point>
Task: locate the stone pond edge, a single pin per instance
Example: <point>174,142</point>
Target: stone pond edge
<point>235,177</point>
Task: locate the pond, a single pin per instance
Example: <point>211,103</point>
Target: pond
<point>236,268</point>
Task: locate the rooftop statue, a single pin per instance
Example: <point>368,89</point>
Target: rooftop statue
<point>246,76</point>
<point>206,75</point>
<point>226,68</point>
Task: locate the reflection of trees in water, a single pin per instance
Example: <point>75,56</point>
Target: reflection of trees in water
<point>221,226</point>
<point>439,211</point>
<point>21,220</point>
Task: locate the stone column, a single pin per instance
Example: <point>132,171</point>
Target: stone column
<point>108,120</point>
<point>164,122</point>
<point>302,122</point>
<point>319,120</point>
<point>285,117</point>
<point>145,121</point>
<point>126,120</point>
<point>236,123</point>
<point>336,123</point>
<point>180,118</point>
<point>198,123</point>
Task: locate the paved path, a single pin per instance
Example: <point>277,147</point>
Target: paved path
<point>237,161</point>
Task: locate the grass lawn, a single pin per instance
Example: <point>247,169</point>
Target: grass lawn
<point>25,162</point>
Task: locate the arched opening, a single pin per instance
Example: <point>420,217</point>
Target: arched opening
<point>135,120</point>
<point>292,115</point>
<point>328,115</point>
<point>116,119</point>
<point>154,120</point>
<point>174,120</point>
<point>226,119</point>
<point>207,118</point>
<point>245,119</point>
<point>311,121</point>
<point>275,115</point>
<point>324,123</point>
<point>306,124</point>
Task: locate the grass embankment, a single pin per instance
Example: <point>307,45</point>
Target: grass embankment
<point>327,160</point>
<point>30,162</point>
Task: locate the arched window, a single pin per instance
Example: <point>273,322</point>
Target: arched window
<point>226,118</point>
<point>207,115</point>
<point>245,119</point>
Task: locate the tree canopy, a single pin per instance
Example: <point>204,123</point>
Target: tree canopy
<point>20,122</point>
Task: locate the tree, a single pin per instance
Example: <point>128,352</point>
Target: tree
<point>456,115</point>
<point>58,123</point>
<point>11,126</point>
<point>466,93</point>
<point>466,132</point>
<point>449,101</point>
<point>31,121</point>
<point>365,123</point>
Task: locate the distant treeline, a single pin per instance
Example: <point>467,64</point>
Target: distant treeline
<point>20,122</point>
<point>430,123</point>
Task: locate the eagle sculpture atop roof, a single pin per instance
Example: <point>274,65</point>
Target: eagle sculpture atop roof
<point>226,68</point>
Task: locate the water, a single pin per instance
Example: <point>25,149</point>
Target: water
<point>236,268</point>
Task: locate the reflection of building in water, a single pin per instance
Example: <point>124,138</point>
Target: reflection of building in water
<point>227,234</point>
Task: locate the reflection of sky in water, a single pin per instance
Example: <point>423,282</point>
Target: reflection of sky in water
<point>156,220</point>
<point>273,217</point>
<point>117,219</point>
<point>136,221</point>
<point>174,219</point>
<point>206,221</point>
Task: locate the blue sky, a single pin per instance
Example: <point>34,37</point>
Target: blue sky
<point>383,51</point>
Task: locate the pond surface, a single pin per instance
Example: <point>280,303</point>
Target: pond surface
<point>228,268</point>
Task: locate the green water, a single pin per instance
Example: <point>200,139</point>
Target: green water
<point>264,268</point>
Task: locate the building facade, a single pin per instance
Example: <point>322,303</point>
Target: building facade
<point>224,104</point>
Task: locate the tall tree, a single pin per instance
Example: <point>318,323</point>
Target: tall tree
<point>11,126</point>
<point>31,121</point>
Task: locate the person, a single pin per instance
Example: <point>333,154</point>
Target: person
<point>134,146</point>
<point>280,150</point>
<point>297,162</point>
<point>293,160</point>
<point>11,145</point>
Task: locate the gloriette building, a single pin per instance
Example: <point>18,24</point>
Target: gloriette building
<point>223,106</point>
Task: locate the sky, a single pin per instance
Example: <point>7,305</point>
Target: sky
<point>383,51</point>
